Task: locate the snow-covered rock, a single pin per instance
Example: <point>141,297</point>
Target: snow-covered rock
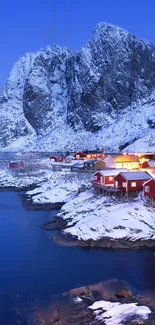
<point>117,314</point>
<point>92,218</point>
<point>59,188</point>
<point>18,180</point>
<point>57,99</point>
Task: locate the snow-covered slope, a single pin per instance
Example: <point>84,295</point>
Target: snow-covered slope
<point>101,96</point>
<point>92,218</point>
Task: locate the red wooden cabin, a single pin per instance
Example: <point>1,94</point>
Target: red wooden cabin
<point>80,155</point>
<point>131,181</point>
<point>57,158</point>
<point>144,164</point>
<point>149,188</point>
<point>16,164</point>
<point>105,177</point>
<point>89,155</point>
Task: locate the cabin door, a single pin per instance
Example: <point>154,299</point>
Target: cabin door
<point>102,180</point>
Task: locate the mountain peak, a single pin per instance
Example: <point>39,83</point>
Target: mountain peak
<point>83,94</point>
<point>106,28</point>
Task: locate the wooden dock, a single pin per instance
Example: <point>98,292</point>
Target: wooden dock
<point>105,189</point>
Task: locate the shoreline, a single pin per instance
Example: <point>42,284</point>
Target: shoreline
<point>60,224</point>
<point>105,243</point>
<point>68,240</point>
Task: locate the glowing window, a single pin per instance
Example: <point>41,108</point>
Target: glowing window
<point>147,189</point>
<point>133,184</point>
<point>124,184</point>
<point>77,156</point>
<point>116,183</point>
<point>110,178</point>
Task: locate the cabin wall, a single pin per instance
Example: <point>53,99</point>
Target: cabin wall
<point>109,162</point>
<point>109,180</point>
<point>118,182</point>
<point>138,187</point>
<point>97,177</point>
<point>128,165</point>
<point>99,164</point>
<point>151,186</point>
<point>80,155</point>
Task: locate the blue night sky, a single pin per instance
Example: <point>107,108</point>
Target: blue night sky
<point>29,25</point>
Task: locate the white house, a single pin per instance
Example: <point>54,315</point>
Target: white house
<point>122,161</point>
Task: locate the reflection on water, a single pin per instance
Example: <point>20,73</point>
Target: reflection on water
<point>32,268</point>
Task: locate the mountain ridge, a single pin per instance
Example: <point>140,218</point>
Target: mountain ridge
<point>84,94</point>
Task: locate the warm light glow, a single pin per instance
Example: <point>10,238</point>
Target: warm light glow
<point>143,159</point>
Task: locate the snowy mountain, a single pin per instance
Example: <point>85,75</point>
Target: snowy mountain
<point>101,96</point>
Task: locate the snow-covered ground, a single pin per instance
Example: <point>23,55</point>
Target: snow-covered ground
<point>92,217</point>
<point>8,179</point>
<point>60,187</point>
<point>116,313</point>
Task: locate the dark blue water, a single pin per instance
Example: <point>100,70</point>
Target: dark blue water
<point>31,266</point>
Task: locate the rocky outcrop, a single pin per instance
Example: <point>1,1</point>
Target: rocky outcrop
<point>70,241</point>
<point>80,93</point>
<point>107,290</point>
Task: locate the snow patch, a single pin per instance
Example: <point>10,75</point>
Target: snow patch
<point>117,314</point>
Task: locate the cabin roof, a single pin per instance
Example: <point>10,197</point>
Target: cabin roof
<point>78,164</point>
<point>57,155</point>
<point>151,161</point>
<point>150,180</point>
<point>15,162</point>
<point>111,172</point>
<point>129,176</point>
<point>92,152</point>
<point>79,152</point>
<point>90,161</point>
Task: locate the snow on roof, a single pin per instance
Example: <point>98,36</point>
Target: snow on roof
<point>151,162</point>
<point>125,158</point>
<point>57,155</point>
<point>150,180</point>
<point>79,152</point>
<point>135,175</point>
<point>79,164</point>
<point>111,172</point>
<point>92,152</point>
<point>89,161</point>
<point>15,162</point>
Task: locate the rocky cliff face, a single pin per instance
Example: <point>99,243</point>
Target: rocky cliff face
<point>102,95</point>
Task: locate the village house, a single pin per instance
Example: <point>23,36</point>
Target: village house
<point>143,164</point>
<point>88,155</point>
<point>57,158</point>
<point>94,164</point>
<point>131,181</point>
<point>77,167</point>
<point>80,155</point>
<point>122,161</point>
<point>106,177</point>
<point>16,164</point>
<point>149,188</point>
